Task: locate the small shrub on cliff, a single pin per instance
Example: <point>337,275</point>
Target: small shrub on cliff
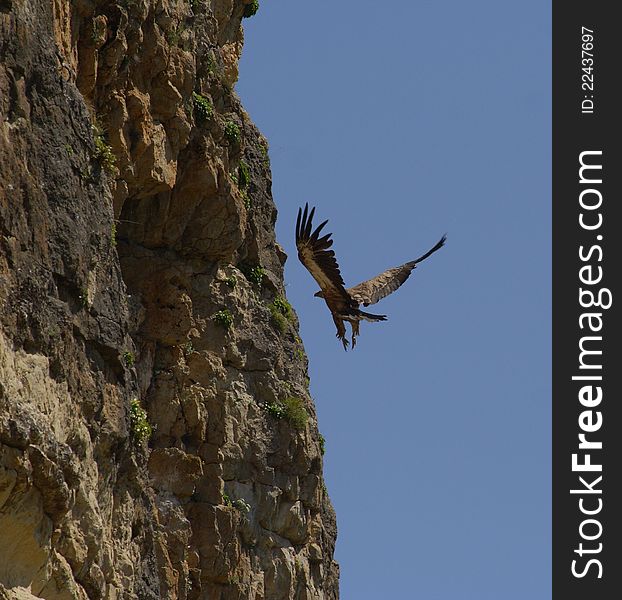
<point>224,318</point>
<point>141,428</point>
<point>277,319</point>
<point>251,9</point>
<point>103,152</point>
<point>84,297</point>
<point>322,442</point>
<point>244,175</point>
<point>203,109</point>
<point>280,312</point>
<point>275,409</point>
<point>254,274</point>
<point>295,412</point>
<point>231,281</point>
<point>242,505</point>
<point>291,409</point>
<point>173,36</point>
<point>210,63</point>
<point>248,202</point>
<point>283,306</point>
<point>128,358</point>
<point>263,148</point>
<point>232,132</point>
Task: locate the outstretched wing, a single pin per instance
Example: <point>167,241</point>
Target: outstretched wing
<point>314,254</point>
<point>372,290</point>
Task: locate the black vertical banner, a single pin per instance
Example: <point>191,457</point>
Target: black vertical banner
<point>587,338</point>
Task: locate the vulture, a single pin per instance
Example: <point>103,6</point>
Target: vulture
<point>320,261</point>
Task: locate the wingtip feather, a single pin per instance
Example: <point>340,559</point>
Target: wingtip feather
<point>298,225</point>
<point>309,226</point>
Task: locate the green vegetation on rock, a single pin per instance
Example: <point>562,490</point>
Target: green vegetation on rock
<point>241,505</point>
<point>224,318</point>
<point>103,151</point>
<point>232,132</point>
<point>244,175</point>
<point>128,358</point>
<point>251,9</point>
<point>280,312</point>
<point>140,426</point>
<point>84,297</point>
<point>254,274</point>
<point>295,412</point>
<point>291,409</point>
<point>203,109</point>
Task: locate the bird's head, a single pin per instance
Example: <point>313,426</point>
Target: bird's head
<point>319,294</point>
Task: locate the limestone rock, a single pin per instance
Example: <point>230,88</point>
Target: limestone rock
<point>138,355</point>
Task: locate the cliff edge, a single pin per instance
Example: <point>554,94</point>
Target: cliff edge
<point>157,436</point>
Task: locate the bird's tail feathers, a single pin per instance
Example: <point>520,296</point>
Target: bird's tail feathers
<point>369,317</point>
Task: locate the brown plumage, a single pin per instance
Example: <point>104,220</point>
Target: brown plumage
<point>314,254</point>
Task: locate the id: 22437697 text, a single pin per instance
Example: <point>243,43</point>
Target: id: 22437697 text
<point>587,70</point>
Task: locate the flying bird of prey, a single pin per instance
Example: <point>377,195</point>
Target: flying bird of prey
<point>314,254</point>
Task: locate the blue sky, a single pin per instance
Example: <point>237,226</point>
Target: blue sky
<point>400,122</point>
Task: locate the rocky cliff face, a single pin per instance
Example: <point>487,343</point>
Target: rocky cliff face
<point>157,437</point>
